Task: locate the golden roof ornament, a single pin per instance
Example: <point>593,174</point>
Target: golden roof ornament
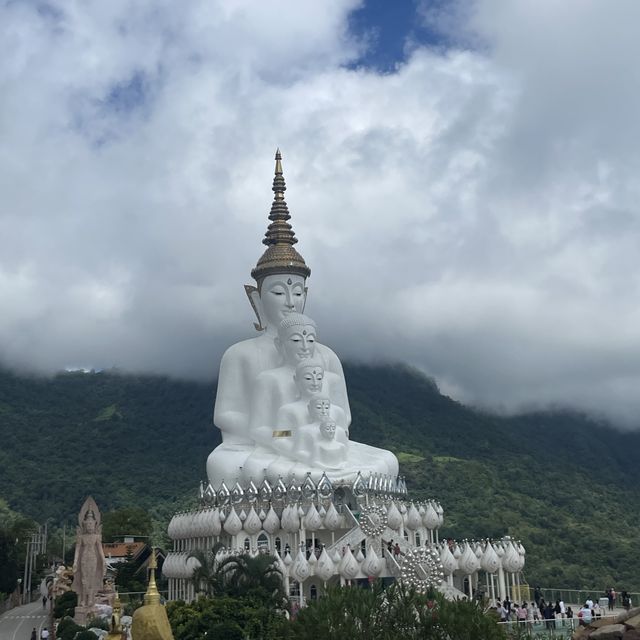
<point>150,621</point>
<point>280,256</point>
<point>152,596</point>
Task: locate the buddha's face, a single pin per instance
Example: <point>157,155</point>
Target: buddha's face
<point>90,525</point>
<point>297,343</point>
<point>328,429</point>
<point>280,295</point>
<point>309,379</point>
<point>319,408</point>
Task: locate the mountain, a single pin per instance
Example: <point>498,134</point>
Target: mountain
<point>565,484</point>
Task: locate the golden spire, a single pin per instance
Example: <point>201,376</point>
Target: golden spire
<point>153,595</point>
<point>117,605</point>
<point>280,256</point>
<point>115,630</point>
<point>150,621</point>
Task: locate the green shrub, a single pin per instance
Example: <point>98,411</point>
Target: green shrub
<point>67,629</point>
<point>65,605</point>
<point>98,623</point>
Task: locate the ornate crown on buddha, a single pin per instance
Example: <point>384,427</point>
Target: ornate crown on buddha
<point>280,256</point>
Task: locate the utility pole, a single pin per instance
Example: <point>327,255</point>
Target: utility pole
<point>36,544</point>
<point>24,581</point>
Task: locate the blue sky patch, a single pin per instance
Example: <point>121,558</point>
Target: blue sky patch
<point>391,29</point>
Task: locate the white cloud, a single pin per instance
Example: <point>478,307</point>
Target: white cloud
<point>474,213</point>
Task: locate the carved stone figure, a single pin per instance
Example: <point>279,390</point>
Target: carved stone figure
<point>264,388</point>
<point>89,562</point>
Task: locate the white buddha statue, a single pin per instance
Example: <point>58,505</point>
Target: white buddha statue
<point>245,411</point>
<point>321,442</point>
<point>309,379</point>
<point>281,397</point>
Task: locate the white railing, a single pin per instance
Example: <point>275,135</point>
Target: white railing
<point>580,596</point>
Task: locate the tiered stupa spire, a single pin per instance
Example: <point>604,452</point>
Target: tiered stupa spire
<point>280,256</point>
<point>152,596</point>
<point>150,621</point>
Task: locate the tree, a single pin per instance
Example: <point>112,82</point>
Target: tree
<point>127,577</point>
<point>395,613</point>
<point>9,566</point>
<point>207,578</point>
<point>15,530</point>
<point>253,575</point>
<point>132,521</point>
<point>227,617</point>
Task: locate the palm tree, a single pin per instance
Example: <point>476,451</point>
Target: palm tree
<point>244,574</point>
<point>207,577</point>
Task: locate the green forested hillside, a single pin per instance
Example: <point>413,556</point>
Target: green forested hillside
<point>567,486</point>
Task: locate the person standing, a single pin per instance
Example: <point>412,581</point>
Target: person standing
<point>507,605</point>
<point>34,635</point>
<point>532,613</point>
<point>44,634</point>
<point>549,616</point>
<point>521,615</point>
<point>537,596</point>
<point>542,605</point>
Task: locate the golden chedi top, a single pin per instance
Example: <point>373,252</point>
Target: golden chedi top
<point>152,596</point>
<point>150,621</point>
<point>280,256</point>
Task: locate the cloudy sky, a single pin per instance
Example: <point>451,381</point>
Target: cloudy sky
<point>464,179</point>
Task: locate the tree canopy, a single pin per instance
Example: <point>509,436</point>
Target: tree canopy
<point>126,521</point>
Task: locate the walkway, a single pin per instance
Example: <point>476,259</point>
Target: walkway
<point>17,623</point>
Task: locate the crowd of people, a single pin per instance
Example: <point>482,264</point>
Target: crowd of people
<point>541,611</point>
<point>533,612</point>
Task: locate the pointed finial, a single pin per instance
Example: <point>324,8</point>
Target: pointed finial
<point>152,596</point>
<point>280,256</point>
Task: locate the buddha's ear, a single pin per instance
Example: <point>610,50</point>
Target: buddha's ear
<point>304,303</point>
<point>256,304</point>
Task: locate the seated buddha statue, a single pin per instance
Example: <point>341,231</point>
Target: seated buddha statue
<point>257,376</point>
<point>309,378</point>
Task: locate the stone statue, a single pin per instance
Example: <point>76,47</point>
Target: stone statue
<point>265,383</point>
<point>89,562</point>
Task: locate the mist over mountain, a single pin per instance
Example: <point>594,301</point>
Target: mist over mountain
<point>463,179</point>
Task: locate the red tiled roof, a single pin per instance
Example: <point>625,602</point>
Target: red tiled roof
<point>121,549</point>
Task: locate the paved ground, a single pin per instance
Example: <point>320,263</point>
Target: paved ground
<point>18,623</point>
